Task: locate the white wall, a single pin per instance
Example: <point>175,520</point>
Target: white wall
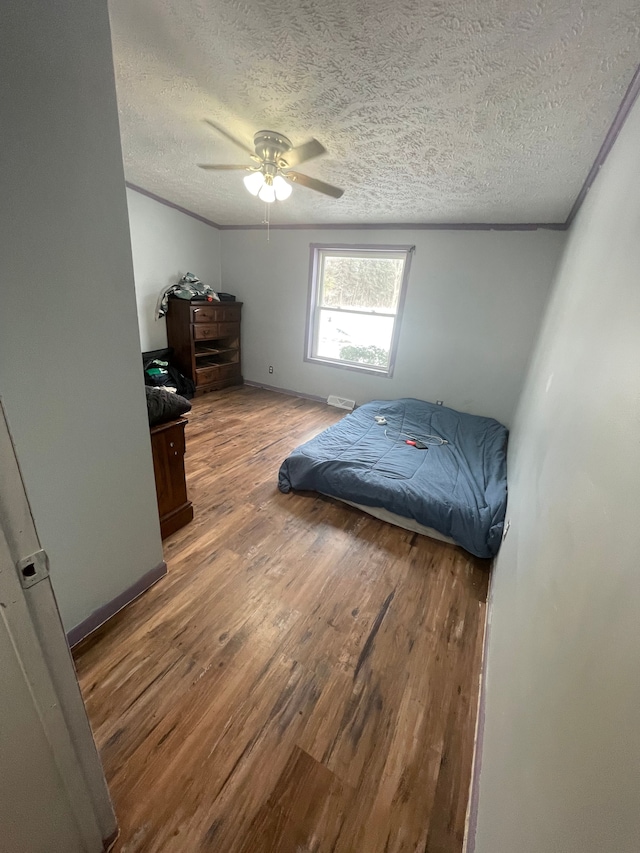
<point>70,375</point>
<point>474,304</point>
<point>166,244</point>
<point>561,758</point>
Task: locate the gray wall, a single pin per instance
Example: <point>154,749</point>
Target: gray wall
<point>559,768</point>
<point>474,304</point>
<point>166,244</point>
<point>70,375</point>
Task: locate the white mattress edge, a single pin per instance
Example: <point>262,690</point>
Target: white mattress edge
<point>399,521</point>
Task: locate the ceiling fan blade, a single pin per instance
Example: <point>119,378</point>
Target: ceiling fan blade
<point>231,138</point>
<point>314,184</point>
<point>223,167</point>
<point>303,152</point>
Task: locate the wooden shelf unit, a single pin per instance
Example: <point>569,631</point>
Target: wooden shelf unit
<point>205,338</point>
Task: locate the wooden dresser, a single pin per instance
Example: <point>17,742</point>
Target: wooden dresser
<point>167,445</point>
<point>205,338</point>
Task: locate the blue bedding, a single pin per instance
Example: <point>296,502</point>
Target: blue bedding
<point>459,488</point>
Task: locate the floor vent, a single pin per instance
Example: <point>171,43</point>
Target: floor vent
<point>341,402</point>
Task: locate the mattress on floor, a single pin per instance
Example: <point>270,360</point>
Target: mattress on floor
<point>459,489</point>
<point>406,523</point>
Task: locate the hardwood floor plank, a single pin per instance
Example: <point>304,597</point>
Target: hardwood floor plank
<point>446,827</point>
<point>305,678</point>
<point>304,812</point>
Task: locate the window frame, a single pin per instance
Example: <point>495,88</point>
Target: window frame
<point>313,306</point>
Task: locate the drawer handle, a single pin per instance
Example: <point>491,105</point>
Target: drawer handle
<point>171,444</point>
<point>195,310</point>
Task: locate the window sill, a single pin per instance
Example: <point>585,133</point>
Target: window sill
<point>359,368</point>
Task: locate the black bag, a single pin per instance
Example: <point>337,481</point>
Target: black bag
<point>160,372</point>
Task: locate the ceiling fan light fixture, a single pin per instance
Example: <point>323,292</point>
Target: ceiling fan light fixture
<point>254,182</point>
<point>267,193</point>
<point>282,188</point>
<point>271,180</point>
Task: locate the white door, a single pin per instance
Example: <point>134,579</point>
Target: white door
<point>53,796</point>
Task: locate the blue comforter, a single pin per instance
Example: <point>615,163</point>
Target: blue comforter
<point>459,488</point>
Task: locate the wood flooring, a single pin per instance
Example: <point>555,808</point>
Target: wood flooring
<point>305,678</point>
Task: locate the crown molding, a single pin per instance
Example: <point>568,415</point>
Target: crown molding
<point>629,99</point>
<point>171,204</point>
<point>404,226</point>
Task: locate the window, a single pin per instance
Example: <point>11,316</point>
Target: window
<point>356,297</point>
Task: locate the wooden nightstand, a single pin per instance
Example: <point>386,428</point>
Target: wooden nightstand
<point>167,444</point>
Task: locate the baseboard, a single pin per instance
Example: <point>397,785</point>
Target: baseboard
<point>100,616</point>
<point>108,843</point>
<point>286,391</point>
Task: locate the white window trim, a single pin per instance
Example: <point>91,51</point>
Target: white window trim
<point>316,250</point>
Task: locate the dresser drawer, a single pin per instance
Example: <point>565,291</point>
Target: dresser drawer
<point>216,373</point>
<point>229,313</point>
<point>209,331</point>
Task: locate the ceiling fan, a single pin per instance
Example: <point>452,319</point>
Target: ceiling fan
<point>275,157</point>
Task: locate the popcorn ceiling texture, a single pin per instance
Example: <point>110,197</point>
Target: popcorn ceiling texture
<point>451,111</point>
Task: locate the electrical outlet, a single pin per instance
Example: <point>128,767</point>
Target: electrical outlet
<point>270,368</point>
<point>439,402</point>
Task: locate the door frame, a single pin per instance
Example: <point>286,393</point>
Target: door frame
<point>32,618</point>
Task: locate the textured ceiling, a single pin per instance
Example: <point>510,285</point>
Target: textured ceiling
<point>431,110</point>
